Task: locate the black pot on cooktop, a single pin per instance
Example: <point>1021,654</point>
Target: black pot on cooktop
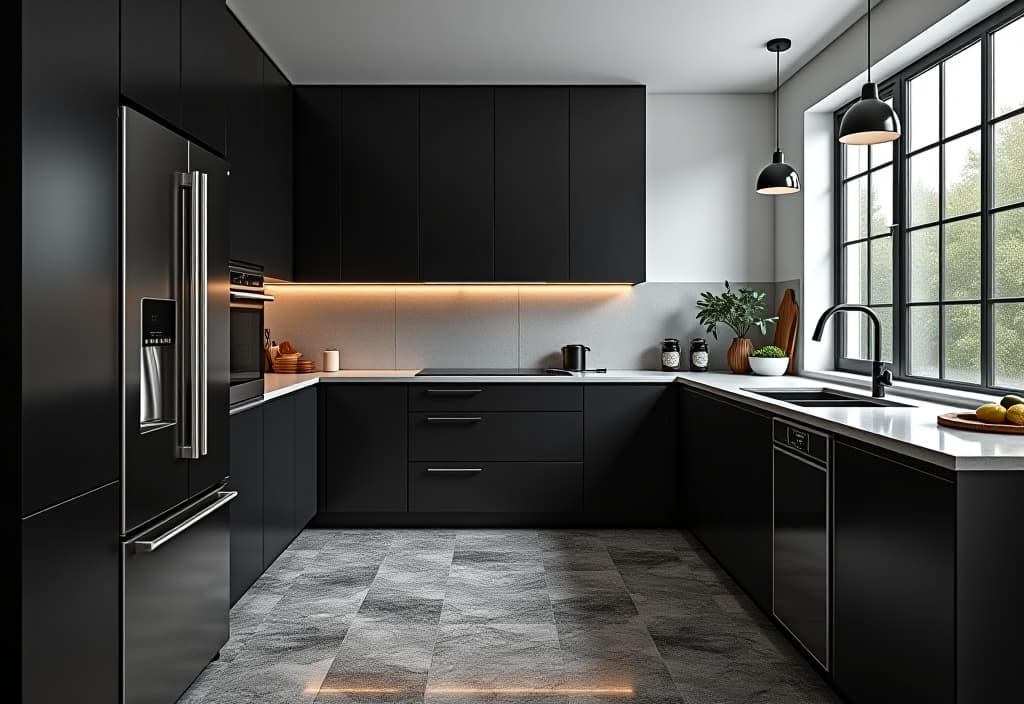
<point>574,357</point>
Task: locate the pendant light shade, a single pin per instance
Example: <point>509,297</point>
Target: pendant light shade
<point>870,120</point>
<point>778,178</point>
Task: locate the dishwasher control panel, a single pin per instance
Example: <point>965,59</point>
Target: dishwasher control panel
<point>806,442</point>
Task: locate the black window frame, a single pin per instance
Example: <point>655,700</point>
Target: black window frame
<point>896,87</point>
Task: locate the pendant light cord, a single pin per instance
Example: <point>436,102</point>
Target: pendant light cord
<point>869,41</point>
<point>778,55</point>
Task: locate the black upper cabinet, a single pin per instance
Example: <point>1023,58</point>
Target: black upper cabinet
<point>70,572</point>
<point>68,250</point>
<point>607,128</point>
<point>317,185</point>
<point>531,183</point>
<point>244,143</point>
<point>172,63</point>
<point>894,562</point>
<point>627,450</point>
<point>457,183</point>
<point>277,173</point>
<point>379,183</point>
<point>151,56</point>
<point>203,71</point>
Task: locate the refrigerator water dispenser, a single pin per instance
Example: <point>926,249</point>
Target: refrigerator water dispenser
<point>157,390</point>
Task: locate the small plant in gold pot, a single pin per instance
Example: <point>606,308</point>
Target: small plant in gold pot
<point>740,310</point>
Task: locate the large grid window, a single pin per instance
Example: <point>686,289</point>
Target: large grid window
<point>930,230</point>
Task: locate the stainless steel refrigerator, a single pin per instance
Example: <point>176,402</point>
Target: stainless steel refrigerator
<point>174,396</point>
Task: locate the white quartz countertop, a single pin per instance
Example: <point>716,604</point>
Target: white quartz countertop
<point>909,430</point>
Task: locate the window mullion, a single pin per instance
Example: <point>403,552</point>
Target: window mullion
<point>987,256</point>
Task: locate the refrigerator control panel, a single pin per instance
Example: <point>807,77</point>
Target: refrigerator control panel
<point>158,322</point>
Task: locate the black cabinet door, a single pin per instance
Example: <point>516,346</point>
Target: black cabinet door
<point>69,250</point>
<point>893,563</point>
<point>247,509</point>
<point>245,143</point>
<point>305,457</point>
<point>277,172</point>
<point>70,610</point>
<point>607,191</point>
<point>380,183</point>
<point>626,450</point>
<point>204,24</point>
<point>457,183</point>
<point>728,488</point>
<point>365,428</point>
<point>278,476</point>
<point>317,188</point>
<point>151,56</point>
<point>531,183</point>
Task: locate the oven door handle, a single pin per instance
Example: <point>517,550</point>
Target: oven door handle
<point>245,295</point>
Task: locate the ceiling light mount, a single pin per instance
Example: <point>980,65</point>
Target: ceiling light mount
<point>778,178</point>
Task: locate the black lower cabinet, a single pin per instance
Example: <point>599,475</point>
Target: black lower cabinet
<point>726,454</point>
<point>70,610</point>
<point>305,457</point>
<point>278,477</point>
<point>893,562</point>
<point>247,509</point>
<point>365,463</point>
<point>627,451</point>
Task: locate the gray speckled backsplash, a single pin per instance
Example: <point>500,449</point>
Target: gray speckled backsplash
<point>408,327</point>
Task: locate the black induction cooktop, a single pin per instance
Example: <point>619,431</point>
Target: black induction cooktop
<point>440,371</point>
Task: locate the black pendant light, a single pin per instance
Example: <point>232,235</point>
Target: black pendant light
<point>869,121</point>
<point>778,178</point>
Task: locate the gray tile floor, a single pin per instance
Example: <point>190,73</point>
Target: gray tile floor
<point>460,616</point>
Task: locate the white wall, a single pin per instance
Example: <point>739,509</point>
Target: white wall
<point>704,220</point>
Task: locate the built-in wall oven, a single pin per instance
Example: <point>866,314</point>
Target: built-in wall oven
<point>800,535</point>
<point>247,301</point>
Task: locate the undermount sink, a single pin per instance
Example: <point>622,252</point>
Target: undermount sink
<point>824,398</point>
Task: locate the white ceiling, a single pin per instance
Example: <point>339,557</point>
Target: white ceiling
<point>685,46</point>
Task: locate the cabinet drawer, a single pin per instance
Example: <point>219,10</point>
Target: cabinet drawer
<point>495,397</point>
<point>510,437</point>
<point>494,487</point>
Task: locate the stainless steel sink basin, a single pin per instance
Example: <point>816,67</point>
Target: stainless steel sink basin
<point>824,398</point>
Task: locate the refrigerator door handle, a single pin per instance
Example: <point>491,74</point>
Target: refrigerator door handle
<point>199,181</point>
<point>223,498</point>
<point>191,325</point>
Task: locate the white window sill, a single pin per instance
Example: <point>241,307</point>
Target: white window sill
<point>923,392</point>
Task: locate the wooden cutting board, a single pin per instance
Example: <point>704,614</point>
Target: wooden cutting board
<point>969,421</point>
<point>785,329</point>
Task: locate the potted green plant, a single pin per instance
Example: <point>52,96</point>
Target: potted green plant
<point>740,310</point>
<point>769,360</point>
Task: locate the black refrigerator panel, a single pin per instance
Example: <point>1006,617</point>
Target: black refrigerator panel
<point>155,211</point>
<point>212,468</point>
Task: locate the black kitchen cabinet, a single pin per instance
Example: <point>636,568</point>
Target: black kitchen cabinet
<point>726,459</point>
<point>456,183</point>
<point>317,187</point>
<point>70,610</point>
<point>531,183</point>
<point>172,63</point>
<point>204,25</point>
<point>628,450</point>
<point>894,577</point>
<point>305,457</point>
<point>247,509</point>
<point>277,173</point>
<point>67,258</point>
<point>151,56</point>
<point>245,143</point>
<point>365,447</point>
<point>607,183</point>
<point>278,476</point>
<point>380,183</point>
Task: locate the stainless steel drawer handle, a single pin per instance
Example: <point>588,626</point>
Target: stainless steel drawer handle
<point>455,470</point>
<point>464,420</point>
<point>224,497</point>
<point>453,392</point>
